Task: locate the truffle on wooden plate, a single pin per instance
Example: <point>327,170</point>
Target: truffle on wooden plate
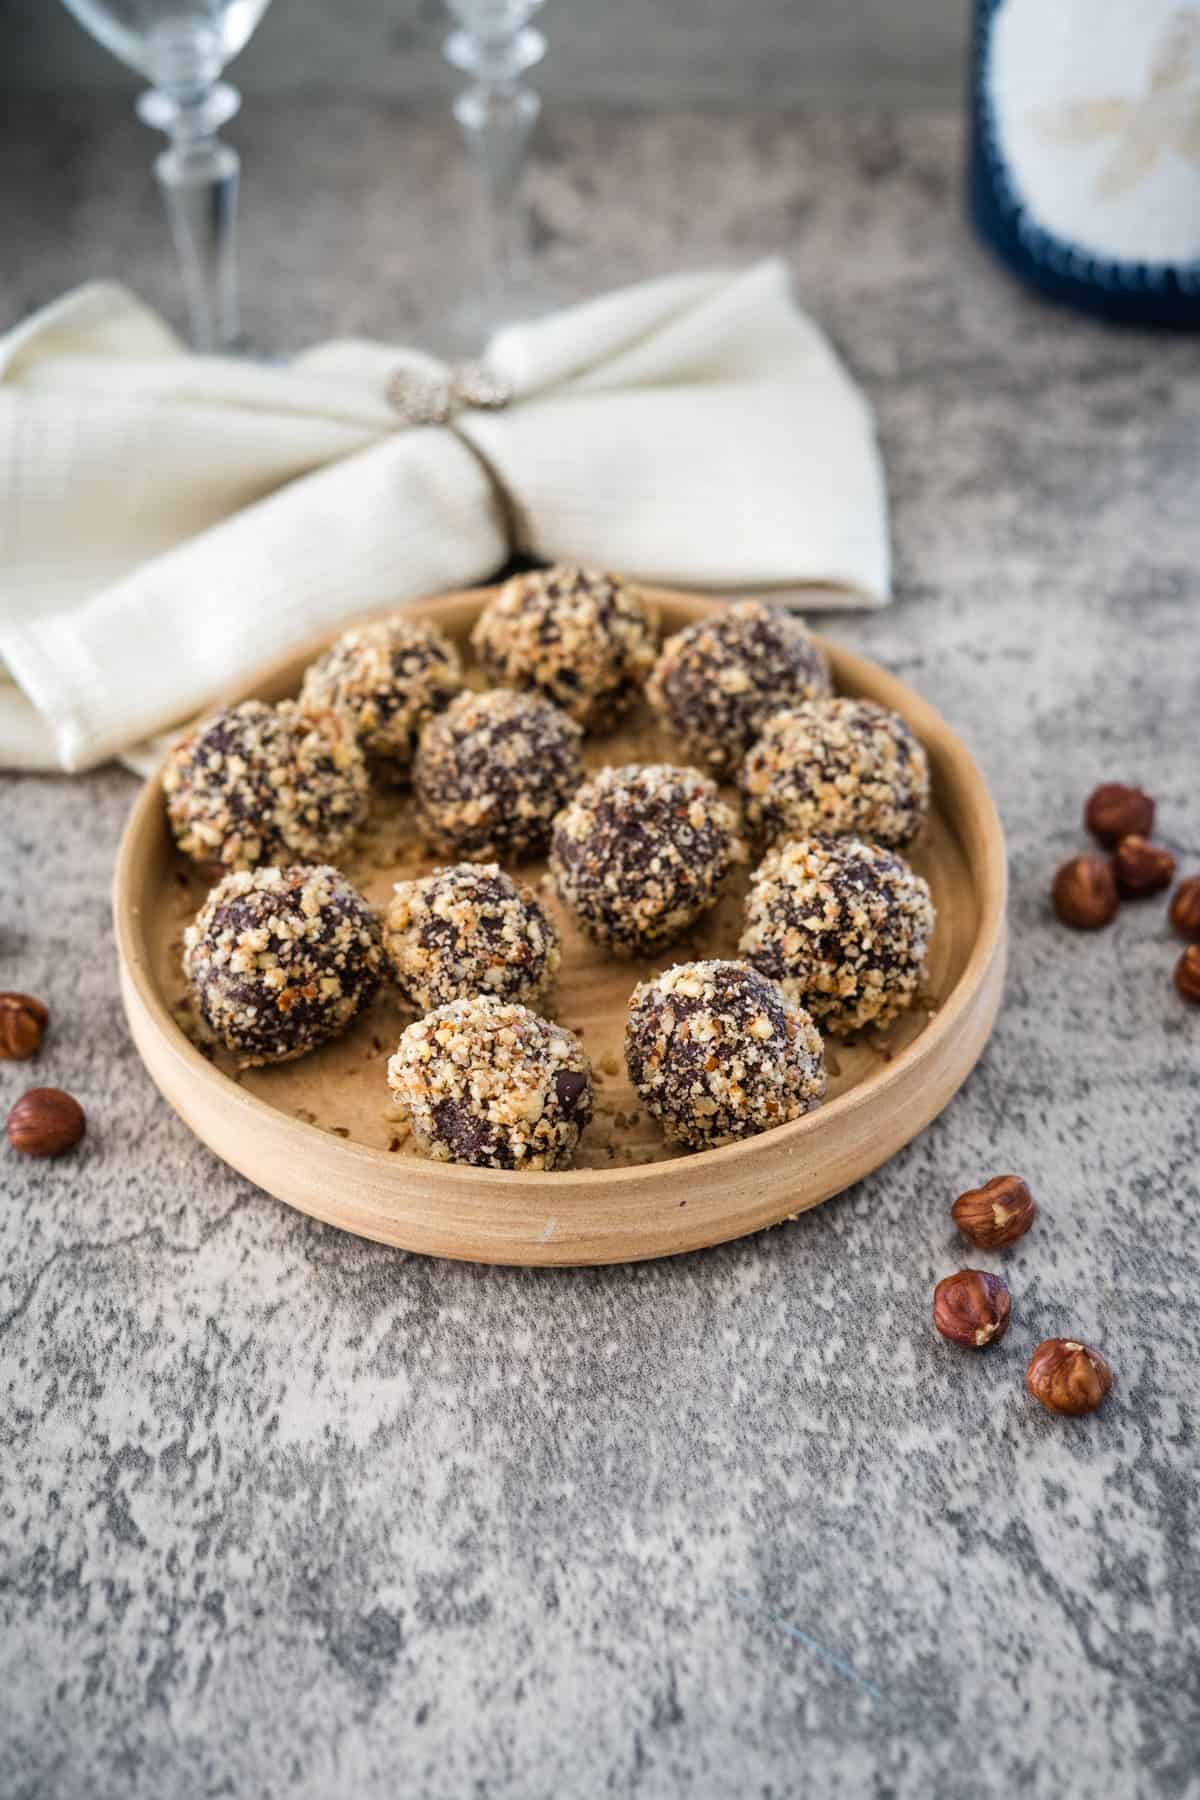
<point>836,765</point>
<point>265,784</point>
<point>719,680</point>
<point>281,960</point>
<point>584,640</point>
<point>843,926</point>
<point>470,930</point>
<point>493,1085</point>
<point>491,772</point>
<point>718,1052</point>
<point>641,853</point>
<point>388,678</point>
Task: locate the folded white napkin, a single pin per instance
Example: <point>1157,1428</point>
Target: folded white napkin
<point>169,521</point>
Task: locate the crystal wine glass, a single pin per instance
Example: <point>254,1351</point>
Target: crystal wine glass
<point>495,44</point>
<point>182,47</point>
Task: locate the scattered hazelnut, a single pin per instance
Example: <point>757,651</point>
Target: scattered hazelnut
<point>1187,974</point>
<point>1115,811</point>
<point>972,1308</point>
<point>1068,1377</point>
<point>996,1214</point>
<point>1141,868</point>
<point>45,1122</point>
<point>23,1021</point>
<point>1085,893</point>
<point>1185,908</point>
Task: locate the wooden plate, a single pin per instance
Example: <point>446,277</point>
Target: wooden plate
<point>321,1134</point>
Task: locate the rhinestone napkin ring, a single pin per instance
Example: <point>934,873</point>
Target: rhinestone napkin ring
<point>421,398</point>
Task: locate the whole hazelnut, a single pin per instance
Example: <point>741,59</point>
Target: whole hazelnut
<point>1187,974</point>
<point>1185,908</point>
<point>1085,893</point>
<point>1067,1376</point>
<point>996,1214</point>
<point>972,1308</point>
<point>45,1122</point>
<point>23,1021</point>
<point>1141,868</point>
<point>1115,811</point>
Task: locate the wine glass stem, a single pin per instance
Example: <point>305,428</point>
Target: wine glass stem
<point>199,175</point>
<point>199,179</point>
<point>497,120</point>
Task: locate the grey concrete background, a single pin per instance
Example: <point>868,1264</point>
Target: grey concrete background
<point>286,1514</point>
<point>628,52</point>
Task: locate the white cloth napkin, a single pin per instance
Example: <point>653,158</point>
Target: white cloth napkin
<point>168,522</point>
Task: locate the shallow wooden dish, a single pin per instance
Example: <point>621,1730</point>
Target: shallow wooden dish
<point>320,1133</point>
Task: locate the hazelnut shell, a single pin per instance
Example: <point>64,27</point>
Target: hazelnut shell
<point>1085,893</point>
<point>45,1122</point>
<point>1187,974</point>
<point>996,1214</point>
<point>972,1308</point>
<point>1067,1376</point>
<point>1141,868</point>
<point>1115,811</point>
<point>1185,908</point>
<point>23,1022</point>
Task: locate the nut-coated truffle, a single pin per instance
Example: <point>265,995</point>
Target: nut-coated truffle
<point>281,960</point>
<point>584,640</point>
<point>843,926</point>
<point>259,784</point>
<point>388,678</point>
<point>492,771</point>
<point>718,682</point>
<point>717,1052</point>
<point>470,930</point>
<point>494,1085</point>
<point>641,853</point>
<point>839,765</point>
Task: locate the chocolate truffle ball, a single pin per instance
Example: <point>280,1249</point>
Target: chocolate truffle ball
<point>842,766</point>
<point>641,853</point>
<point>265,784</point>
<point>387,678</point>
<point>494,1085</point>
<point>470,930</point>
<point>281,960</point>
<point>843,926</point>
<point>718,1052</point>
<point>491,772</point>
<point>717,682</point>
<point>584,640</point>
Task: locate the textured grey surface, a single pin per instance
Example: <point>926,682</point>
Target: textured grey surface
<point>649,52</point>
<point>282,1513</point>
